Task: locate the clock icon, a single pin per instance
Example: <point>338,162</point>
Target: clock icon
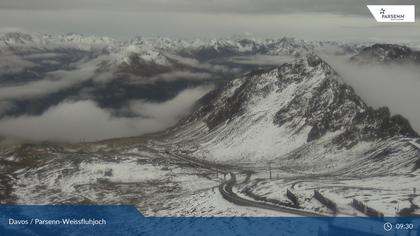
<point>387,226</point>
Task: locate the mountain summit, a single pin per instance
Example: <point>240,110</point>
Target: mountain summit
<point>302,113</point>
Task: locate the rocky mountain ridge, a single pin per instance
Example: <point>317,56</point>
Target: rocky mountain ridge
<point>295,113</point>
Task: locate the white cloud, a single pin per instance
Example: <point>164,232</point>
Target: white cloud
<point>53,82</point>
<point>171,111</point>
<point>175,75</point>
<point>13,64</point>
<point>84,120</point>
<point>202,65</point>
<point>262,60</point>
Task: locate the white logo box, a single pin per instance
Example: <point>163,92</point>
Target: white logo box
<point>393,13</point>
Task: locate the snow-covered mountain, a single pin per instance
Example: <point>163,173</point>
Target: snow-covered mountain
<point>300,114</point>
<point>387,54</point>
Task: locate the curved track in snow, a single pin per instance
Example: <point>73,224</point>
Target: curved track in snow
<point>226,190</point>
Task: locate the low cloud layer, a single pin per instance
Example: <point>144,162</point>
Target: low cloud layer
<point>394,86</point>
<point>84,120</point>
<point>171,111</point>
<point>262,60</point>
<point>12,64</point>
<point>54,81</point>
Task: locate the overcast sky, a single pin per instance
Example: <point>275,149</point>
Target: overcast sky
<point>307,19</point>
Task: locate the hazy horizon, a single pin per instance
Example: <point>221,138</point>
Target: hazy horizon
<point>326,20</point>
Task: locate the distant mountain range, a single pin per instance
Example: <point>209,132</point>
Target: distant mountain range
<point>46,70</point>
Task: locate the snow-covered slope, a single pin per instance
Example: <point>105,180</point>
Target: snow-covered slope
<point>300,115</point>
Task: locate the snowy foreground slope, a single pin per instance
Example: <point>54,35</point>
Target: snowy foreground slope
<point>135,171</point>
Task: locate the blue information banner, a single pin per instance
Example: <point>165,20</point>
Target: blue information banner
<point>114,220</point>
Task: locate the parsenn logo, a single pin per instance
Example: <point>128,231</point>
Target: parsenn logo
<point>393,13</point>
<point>382,11</point>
